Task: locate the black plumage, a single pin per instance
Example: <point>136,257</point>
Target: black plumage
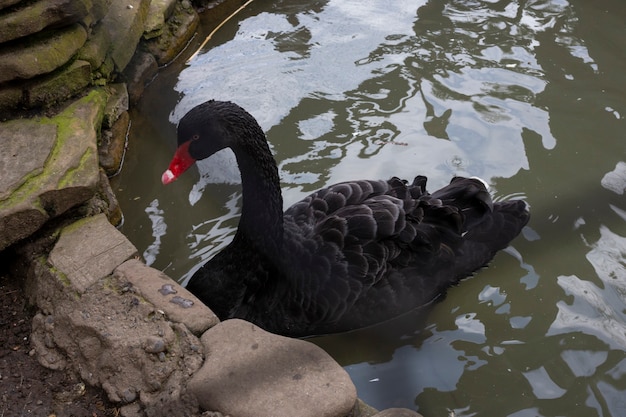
<point>348,256</point>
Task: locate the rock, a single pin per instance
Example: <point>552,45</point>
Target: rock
<point>50,166</point>
<point>101,334</point>
<point>95,49</point>
<point>26,147</point>
<point>112,145</point>
<point>58,86</point>
<point>88,250</point>
<point>41,56</point>
<point>164,293</point>
<point>177,33</point>
<point>116,104</point>
<point>113,210</point>
<point>363,410</point>
<point>99,9</point>
<point>139,72</point>
<point>397,412</point>
<point>131,410</point>
<point>125,22</point>
<point>160,11</point>
<point>38,15</point>
<point>103,202</point>
<point>249,372</point>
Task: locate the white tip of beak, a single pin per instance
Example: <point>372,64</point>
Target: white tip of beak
<point>167,177</point>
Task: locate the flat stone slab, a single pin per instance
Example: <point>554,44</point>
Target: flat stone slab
<point>167,295</point>
<point>88,250</point>
<point>249,372</point>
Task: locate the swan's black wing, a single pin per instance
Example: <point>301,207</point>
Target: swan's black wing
<point>365,251</point>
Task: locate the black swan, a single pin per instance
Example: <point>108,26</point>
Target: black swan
<point>348,256</point>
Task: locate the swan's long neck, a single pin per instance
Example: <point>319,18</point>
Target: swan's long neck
<point>261,220</point>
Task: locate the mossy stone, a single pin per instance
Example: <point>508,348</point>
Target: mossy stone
<point>41,54</point>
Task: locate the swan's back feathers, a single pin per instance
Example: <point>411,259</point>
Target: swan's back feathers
<point>358,244</point>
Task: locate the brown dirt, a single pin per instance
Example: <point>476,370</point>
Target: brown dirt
<point>26,387</point>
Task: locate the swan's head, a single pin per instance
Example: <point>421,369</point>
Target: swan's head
<point>203,131</point>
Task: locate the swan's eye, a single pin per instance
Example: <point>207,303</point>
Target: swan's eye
<point>195,137</point>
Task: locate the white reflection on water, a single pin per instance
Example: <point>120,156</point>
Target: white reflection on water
<point>616,180</point>
<point>159,229</point>
<point>542,385</point>
<point>219,231</point>
<point>598,308</point>
<point>252,70</point>
<point>583,363</point>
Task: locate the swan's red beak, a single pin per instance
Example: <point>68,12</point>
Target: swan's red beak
<point>180,163</point>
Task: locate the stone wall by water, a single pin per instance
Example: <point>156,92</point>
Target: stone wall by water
<point>69,70</point>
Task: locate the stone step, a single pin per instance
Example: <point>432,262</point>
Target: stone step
<point>249,372</point>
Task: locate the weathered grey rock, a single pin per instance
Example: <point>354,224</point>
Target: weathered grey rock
<point>97,46</point>
<point>361,409</point>
<point>397,412</point>
<point>58,86</point>
<point>249,372</point>
<point>88,250</point>
<point>103,202</point>
<point>125,22</point>
<point>168,296</point>
<point>179,29</point>
<point>139,72</point>
<point>24,61</point>
<point>26,144</point>
<point>112,145</point>
<point>52,166</point>
<point>36,16</point>
<point>116,104</point>
<point>131,410</point>
<point>99,9</point>
<point>160,11</point>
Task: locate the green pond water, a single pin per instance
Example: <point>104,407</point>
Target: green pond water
<point>529,95</point>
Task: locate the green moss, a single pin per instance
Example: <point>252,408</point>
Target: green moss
<point>71,174</point>
<point>111,283</point>
<point>63,279</point>
<point>22,193</point>
<point>67,123</point>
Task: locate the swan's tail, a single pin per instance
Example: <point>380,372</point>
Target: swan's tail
<point>487,226</point>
